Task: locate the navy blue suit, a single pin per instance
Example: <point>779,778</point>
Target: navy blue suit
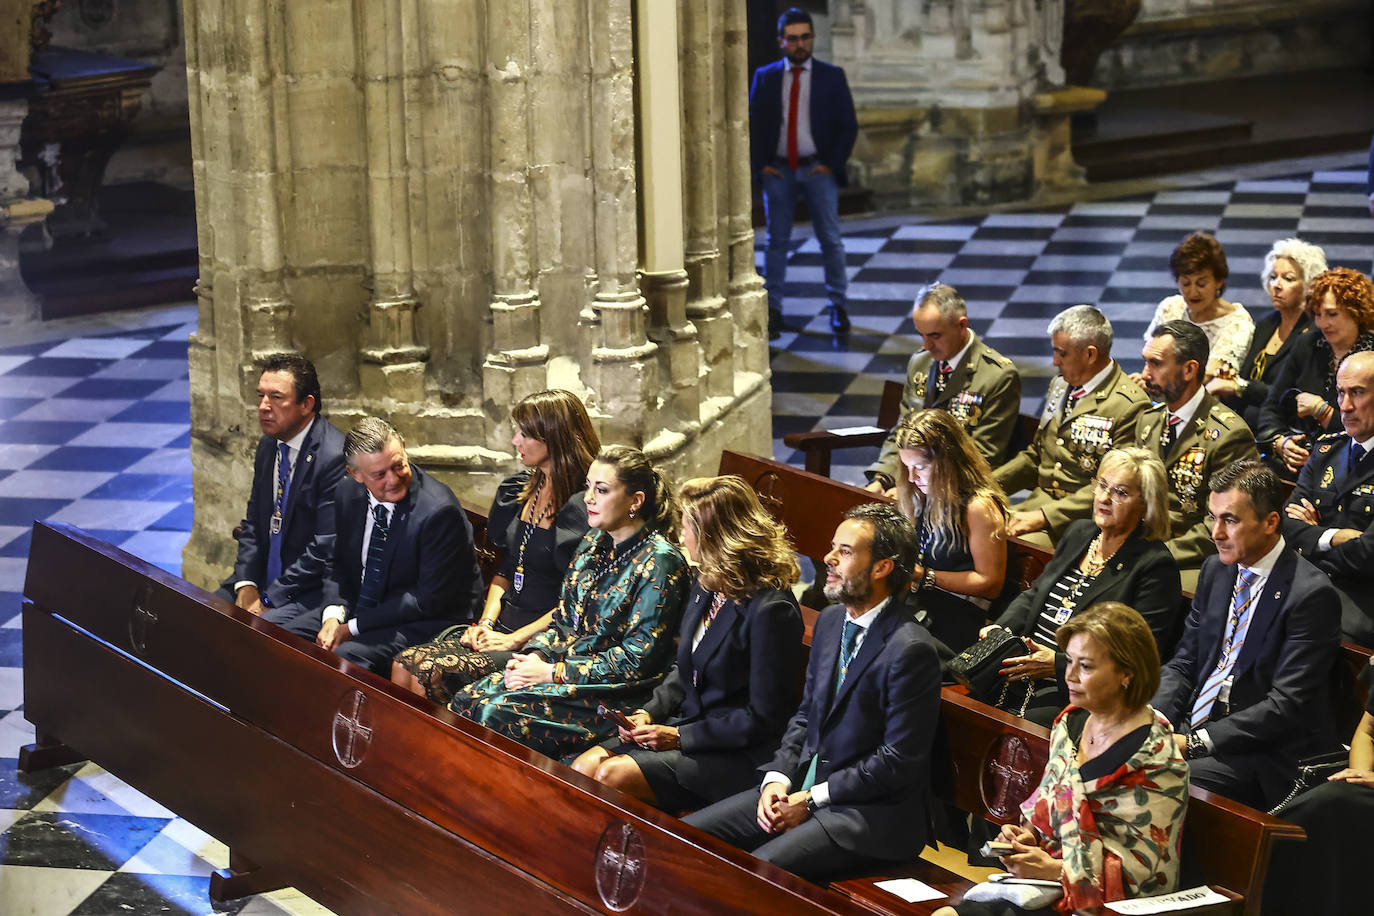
<point>834,125</point>
<point>731,696</point>
<point>307,537</point>
<point>874,740</point>
<point>1278,708</point>
<point>430,574</point>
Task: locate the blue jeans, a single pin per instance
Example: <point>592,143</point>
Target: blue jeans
<point>779,204</point>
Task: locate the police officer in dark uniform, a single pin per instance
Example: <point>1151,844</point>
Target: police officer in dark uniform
<point>1193,433</point>
<point>957,372</point>
<point>1330,516</point>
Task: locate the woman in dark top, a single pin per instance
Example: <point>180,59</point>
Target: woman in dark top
<point>960,514</point>
<point>1302,401</point>
<point>720,713</point>
<point>538,518</point>
<point>1106,821</point>
<point>1288,267</point>
<point>1118,555</point>
<point>1322,875</point>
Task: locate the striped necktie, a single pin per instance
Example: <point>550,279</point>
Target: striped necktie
<point>1236,627</point>
<point>278,514</point>
<point>372,574</point>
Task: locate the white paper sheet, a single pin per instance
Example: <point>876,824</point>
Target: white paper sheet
<point>855,430</point>
<point>1165,903</point>
<point>910,890</point>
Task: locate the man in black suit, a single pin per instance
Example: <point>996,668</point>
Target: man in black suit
<point>286,539</point>
<point>850,784</point>
<point>1246,690</point>
<point>802,128</point>
<point>404,565</point>
<point>1331,512</point>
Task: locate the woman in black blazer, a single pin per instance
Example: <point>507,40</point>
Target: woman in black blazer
<point>1288,267</point>
<point>721,711</point>
<point>1117,555</point>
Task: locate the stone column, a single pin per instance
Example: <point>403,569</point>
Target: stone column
<point>515,367</point>
<point>392,361</point>
<point>748,302</point>
<point>17,212</point>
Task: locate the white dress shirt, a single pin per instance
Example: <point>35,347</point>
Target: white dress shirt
<point>338,611</point>
<point>293,451</point>
<point>806,144</point>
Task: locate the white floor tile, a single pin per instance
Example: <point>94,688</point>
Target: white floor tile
<point>12,573</point>
<point>15,732</point>
<point>164,856</point>
<point>113,514</point>
<point>135,435</point>
<point>935,231</point>
<point>176,390</point>
<point>32,484</point>
<point>6,364</point>
<point>98,347</point>
<point>11,688</point>
<point>1023,220</point>
<point>10,532</point>
<point>18,385</point>
<point>163,461</point>
<point>14,456</point>
<point>162,548</point>
<point>90,410</point>
<point>27,890</point>
<point>152,369</point>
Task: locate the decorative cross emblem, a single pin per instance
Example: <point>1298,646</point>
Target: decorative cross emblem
<point>142,619</point>
<point>620,866</point>
<point>1007,775</point>
<point>352,734</point>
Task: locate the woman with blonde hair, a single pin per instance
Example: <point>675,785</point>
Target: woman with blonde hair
<point>538,518</point>
<point>1117,555</point>
<point>611,638</point>
<point>721,711</point>
<point>960,515</point>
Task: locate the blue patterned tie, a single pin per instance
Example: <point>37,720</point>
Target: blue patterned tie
<point>278,513</point>
<point>1237,625</point>
<point>849,640</point>
<point>372,574</point>
<point>1353,459</point>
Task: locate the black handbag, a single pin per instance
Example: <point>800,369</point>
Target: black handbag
<point>979,666</point>
<point>1312,772</point>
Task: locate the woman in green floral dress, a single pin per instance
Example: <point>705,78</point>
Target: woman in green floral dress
<point>613,632</point>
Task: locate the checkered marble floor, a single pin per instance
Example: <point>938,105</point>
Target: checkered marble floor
<point>94,431</point>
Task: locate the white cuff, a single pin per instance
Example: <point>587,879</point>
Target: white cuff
<point>1205,738</point>
<point>1324,542</point>
<point>775,776</point>
<point>353,626</point>
<point>820,794</point>
<point>334,612</point>
<point>244,584</point>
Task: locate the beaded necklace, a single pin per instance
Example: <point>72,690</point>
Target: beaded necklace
<point>527,530</point>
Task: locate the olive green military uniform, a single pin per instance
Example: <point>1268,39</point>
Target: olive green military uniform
<point>1215,437</point>
<point>983,392</point>
<point>1060,463</point>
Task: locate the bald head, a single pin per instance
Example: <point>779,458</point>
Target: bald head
<point>1355,395</point>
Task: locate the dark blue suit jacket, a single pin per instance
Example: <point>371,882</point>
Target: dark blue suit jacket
<point>307,543</point>
<point>874,736</point>
<point>1278,708</point>
<point>834,126</point>
<point>430,579</point>
<point>736,690</point>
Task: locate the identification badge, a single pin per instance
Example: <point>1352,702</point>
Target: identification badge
<point>519,580</point>
<point>276,524</point>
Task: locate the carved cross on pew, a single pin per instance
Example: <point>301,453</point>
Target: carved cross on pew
<point>352,734</point>
<point>1007,776</point>
<point>620,866</point>
<point>142,618</point>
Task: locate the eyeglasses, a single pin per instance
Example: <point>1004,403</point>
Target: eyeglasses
<point>1116,494</point>
<point>797,39</point>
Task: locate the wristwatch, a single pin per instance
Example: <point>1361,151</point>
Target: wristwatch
<point>1195,748</point>
<point>811,806</point>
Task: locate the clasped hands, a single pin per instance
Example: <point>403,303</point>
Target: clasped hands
<point>527,670</point>
<point>778,811</point>
<point>1303,511</point>
<point>332,634</point>
<point>648,735</point>
<point>1028,859</point>
<point>486,639</point>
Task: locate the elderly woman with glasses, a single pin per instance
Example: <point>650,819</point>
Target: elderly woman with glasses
<point>1117,555</point>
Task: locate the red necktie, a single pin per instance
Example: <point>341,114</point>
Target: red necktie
<point>793,160</point>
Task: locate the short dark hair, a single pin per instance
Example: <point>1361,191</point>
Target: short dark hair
<point>1253,478</point>
<point>893,539</point>
<point>1190,342</point>
<point>1199,252</point>
<point>793,16</point>
<point>302,372</point>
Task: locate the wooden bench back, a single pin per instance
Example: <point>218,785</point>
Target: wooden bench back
<point>273,746</point>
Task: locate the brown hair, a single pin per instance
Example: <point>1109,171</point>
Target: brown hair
<point>1126,636</point>
<point>740,547</point>
<point>959,474</point>
<point>636,474</point>
<point>1351,290</point>
<point>1199,252</point>
<point>558,419</point>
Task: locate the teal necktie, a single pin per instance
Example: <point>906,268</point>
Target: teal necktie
<point>849,640</point>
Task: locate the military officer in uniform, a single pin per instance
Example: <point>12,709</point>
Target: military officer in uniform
<point>957,372</point>
<point>1193,433</point>
<point>1330,516</point>
<point>1092,407</point>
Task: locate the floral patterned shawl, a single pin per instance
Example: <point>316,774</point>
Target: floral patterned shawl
<point>1117,836</point>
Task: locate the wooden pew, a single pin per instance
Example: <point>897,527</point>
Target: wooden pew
<point>816,446</point>
<point>322,776</point>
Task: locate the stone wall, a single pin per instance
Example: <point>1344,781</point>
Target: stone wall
<point>952,97</point>
<point>447,205</point>
<point>1184,41</point>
